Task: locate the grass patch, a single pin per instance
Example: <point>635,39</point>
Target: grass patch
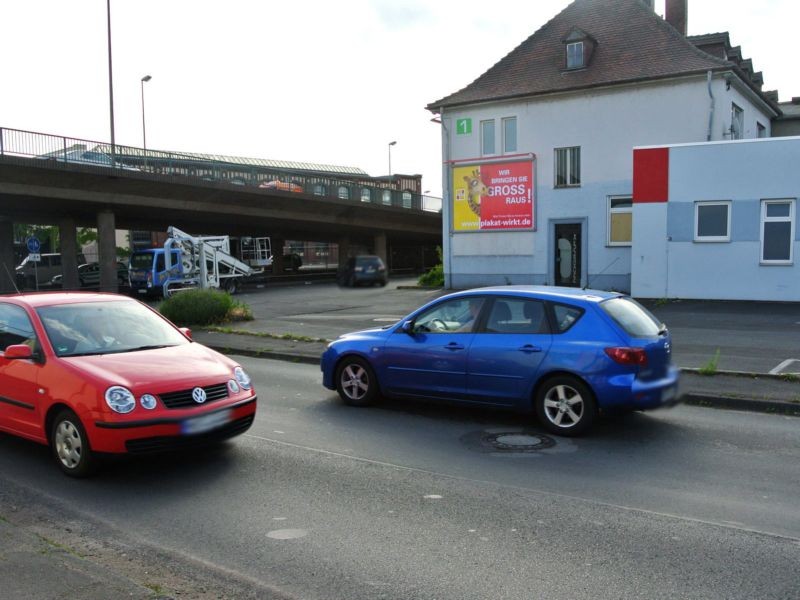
<point>791,377</point>
<point>158,590</point>
<point>58,546</point>
<point>710,368</point>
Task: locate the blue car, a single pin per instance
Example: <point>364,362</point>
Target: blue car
<point>564,353</point>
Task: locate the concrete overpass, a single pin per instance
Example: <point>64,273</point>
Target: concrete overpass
<point>71,194</point>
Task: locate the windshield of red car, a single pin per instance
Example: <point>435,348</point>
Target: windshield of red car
<point>85,328</point>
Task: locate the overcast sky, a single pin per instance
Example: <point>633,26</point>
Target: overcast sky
<point>307,80</point>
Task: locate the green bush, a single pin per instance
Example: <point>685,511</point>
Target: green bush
<point>197,307</point>
<point>434,277</point>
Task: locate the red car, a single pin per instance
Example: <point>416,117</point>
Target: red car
<point>90,374</point>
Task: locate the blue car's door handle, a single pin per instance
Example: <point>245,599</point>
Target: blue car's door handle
<point>529,348</point>
<point>454,346</point>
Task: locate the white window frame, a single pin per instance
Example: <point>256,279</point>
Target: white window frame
<point>581,52</point>
<point>343,192</point>
<point>615,211</point>
<point>386,197</point>
<point>506,149</point>
<point>765,219</point>
<point>484,138</point>
<point>737,115</point>
<point>567,184</point>
<point>712,238</point>
<point>366,194</point>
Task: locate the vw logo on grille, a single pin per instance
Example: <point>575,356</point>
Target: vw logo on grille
<point>199,395</point>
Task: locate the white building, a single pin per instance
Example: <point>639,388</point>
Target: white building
<point>717,220</point>
<point>539,149</point>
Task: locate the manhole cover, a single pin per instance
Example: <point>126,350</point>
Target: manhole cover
<point>518,441</point>
<point>499,441</point>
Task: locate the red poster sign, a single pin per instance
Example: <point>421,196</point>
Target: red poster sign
<point>494,196</point>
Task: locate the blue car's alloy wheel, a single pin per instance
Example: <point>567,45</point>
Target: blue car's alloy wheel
<point>355,382</point>
<point>565,406</point>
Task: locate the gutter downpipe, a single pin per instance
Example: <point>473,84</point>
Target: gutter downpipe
<point>446,202</point>
<point>711,107</point>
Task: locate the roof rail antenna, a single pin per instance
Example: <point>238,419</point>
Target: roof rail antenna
<point>608,266</point>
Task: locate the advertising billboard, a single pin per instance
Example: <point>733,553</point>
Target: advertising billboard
<point>493,196</point>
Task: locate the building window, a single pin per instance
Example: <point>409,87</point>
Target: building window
<point>366,195</point>
<point>487,137</point>
<point>387,197</point>
<point>620,220</point>
<point>568,167</point>
<point>406,199</point>
<point>319,189</point>
<point>737,122</point>
<point>343,192</point>
<point>712,221</point>
<point>575,55</point>
<point>762,131</point>
<point>510,134</point>
<point>777,231</point>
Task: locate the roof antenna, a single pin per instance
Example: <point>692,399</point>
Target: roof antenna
<point>13,281</point>
<point>608,266</point>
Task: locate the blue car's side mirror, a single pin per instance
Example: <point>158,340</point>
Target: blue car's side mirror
<point>407,327</point>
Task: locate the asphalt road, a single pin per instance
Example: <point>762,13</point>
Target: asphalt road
<point>750,337</point>
<point>320,500</point>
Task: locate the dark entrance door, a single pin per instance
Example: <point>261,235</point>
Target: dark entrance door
<point>568,254</point>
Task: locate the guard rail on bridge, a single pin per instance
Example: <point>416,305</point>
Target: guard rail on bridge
<point>69,153</point>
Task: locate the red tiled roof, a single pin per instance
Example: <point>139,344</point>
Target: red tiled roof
<point>633,44</point>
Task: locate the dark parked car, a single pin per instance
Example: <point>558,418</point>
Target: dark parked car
<point>89,275</point>
<point>566,354</point>
<point>362,269</point>
<point>292,262</point>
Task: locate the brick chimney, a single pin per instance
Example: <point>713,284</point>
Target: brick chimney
<point>676,14</point>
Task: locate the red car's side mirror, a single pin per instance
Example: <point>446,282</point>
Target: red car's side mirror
<point>18,351</point>
<point>186,331</point>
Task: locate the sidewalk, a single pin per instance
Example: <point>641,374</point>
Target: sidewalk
<point>738,391</point>
<point>35,568</point>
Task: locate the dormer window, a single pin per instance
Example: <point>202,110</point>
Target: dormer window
<point>575,55</point>
<point>578,49</point>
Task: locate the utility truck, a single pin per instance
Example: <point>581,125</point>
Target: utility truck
<point>189,262</point>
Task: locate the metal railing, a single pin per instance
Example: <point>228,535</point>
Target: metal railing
<point>47,150</point>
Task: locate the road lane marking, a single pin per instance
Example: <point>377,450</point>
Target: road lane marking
<point>777,370</point>
<point>590,501</point>
<point>287,534</point>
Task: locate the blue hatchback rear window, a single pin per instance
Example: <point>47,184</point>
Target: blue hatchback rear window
<point>634,318</point>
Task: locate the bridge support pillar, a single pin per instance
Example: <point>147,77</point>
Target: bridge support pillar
<point>277,255</point>
<point>69,254</point>
<point>380,247</point>
<point>107,251</point>
<point>344,250</point>
<point>7,266</point>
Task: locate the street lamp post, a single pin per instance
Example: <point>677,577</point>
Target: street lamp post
<point>110,85</point>
<point>390,156</point>
<point>145,79</point>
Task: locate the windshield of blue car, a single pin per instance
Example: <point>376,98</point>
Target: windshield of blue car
<point>88,328</point>
<point>634,318</point>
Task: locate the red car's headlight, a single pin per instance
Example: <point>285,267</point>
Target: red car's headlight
<point>120,399</point>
